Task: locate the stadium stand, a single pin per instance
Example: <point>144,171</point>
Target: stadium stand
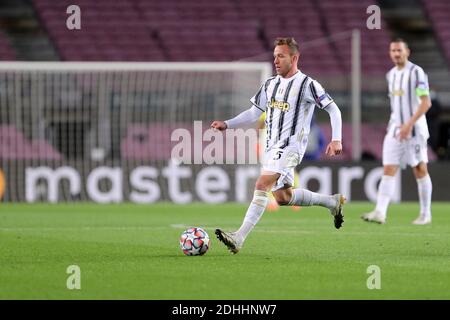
<point>352,14</point>
<point>169,30</point>
<point>14,146</point>
<point>111,31</point>
<point>6,51</point>
<point>439,13</point>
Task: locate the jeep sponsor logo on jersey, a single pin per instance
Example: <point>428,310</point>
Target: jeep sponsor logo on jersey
<point>283,106</point>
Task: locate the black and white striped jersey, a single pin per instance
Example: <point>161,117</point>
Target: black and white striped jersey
<point>406,86</point>
<point>289,105</point>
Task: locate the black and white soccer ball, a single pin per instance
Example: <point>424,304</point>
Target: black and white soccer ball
<point>194,242</point>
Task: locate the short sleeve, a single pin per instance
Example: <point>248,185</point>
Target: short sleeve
<point>317,95</point>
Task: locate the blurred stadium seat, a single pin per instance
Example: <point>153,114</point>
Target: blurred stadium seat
<point>15,146</point>
<point>439,13</point>
<point>6,51</point>
<point>169,30</point>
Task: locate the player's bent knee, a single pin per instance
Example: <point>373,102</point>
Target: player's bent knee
<point>262,186</point>
<point>266,182</point>
<point>421,170</point>
<point>390,170</point>
<point>283,199</point>
<point>283,202</point>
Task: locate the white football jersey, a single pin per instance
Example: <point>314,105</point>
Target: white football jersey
<point>289,106</point>
<point>406,86</point>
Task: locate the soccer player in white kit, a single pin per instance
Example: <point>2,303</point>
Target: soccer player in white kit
<point>405,142</point>
<point>289,98</point>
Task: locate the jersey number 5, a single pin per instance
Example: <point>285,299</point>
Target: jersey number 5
<point>278,155</point>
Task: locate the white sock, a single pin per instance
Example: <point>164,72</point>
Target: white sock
<point>385,191</point>
<point>303,197</point>
<point>254,213</point>
<point>425,188</point>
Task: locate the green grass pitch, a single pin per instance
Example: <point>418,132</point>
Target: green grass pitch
<point>131,251</point>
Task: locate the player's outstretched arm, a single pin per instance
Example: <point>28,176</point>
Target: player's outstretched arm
<point>247,117</point>
<point>219,125</point>
<point>334,148</point>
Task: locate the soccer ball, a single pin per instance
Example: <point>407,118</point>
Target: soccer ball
<point>194,242</point>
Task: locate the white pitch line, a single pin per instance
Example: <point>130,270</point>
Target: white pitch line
<point>281,230</point>
<point>80,228</point>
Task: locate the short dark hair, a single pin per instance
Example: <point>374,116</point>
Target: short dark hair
<point>400,40</point>
<point>290,42</point>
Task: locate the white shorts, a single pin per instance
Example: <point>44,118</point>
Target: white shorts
<point>407,152</point>
<point>283,161</point>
